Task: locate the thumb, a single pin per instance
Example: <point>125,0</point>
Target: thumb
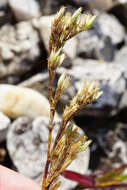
<point>12,180</point>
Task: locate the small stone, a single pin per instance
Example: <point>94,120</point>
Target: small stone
<point>19,49</point>
<point>102,4</point>
<point>100,41</point>
<point>27,145</point>
<point>115,149</point>
<point>121,56</point>
<point>7,55</point>
<point>44,27</point>
<point>24,10</point>
<point>17,101</point>
<point>3,3</point>
<point>50,7</point>
<point>122,1</point>
<point>91,45</point>
<point>110,26</point>
<point>38,82</point>
<point>70,48</point>
<point>110,78</point>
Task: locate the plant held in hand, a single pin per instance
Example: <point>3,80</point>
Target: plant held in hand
<point>68,142</point>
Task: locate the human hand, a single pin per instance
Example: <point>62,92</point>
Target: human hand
<point>10,180</point>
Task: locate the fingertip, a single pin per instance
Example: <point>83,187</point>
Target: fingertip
<point>12,180</point>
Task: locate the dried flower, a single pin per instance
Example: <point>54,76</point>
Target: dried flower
<point>65,26</point>
<point>62,85</point>
<point>68,142</point>
<point>86,95</point>
<point>76,15</point>
<point>89,20</point>
<point>59,15</point>
<point>66,151</point>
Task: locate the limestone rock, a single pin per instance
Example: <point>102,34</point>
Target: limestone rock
<point>44,26</point>
<point>121,58</point>
<point>101,40</point>
<point>50,7</point>
<point>91,45</point>
<point>38,82</point>
<point>27,146</point>
<point>17,101</point>
<point>115,146</point>
<point>3,3</point>
<point>24,10</point>
<point>19,49</point>
<point>110,78</point>
<point>102,4</point>
<point>110,26</point>
<point>4,124</point>
<point>5,13</point>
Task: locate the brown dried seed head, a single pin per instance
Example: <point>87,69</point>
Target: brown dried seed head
<point>63,81</point>
<point>60,14</point>
<point>86,95</point>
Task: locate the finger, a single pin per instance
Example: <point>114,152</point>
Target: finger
<point>10,180</point>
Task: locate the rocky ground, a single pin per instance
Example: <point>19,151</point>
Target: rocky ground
<point>98,54</point>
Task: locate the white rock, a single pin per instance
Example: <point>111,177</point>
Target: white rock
<point>19,49</point>
<point>4,124</point>
<point>44,27</point>
<point>34,79</point>
<point>110,26</point>
<point>24,10</point>
<point>123,1</point>
<point>70,47</point>
<point>101,4</point>
<point>3,3</point>
<point>7,55</point>
<point>17,101</point>
<point>27,146</point>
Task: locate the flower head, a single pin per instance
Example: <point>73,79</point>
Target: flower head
<point>86,95</point>
<point>65,26</point>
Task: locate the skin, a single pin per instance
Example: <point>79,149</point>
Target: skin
<point>10,180</point>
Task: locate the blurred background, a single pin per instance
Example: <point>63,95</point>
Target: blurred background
<point>97,54</point>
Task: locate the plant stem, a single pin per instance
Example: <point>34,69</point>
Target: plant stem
<point>60,131</point>
<point>52,113</point>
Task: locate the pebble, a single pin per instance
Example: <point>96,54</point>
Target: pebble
<point>17,101</point>
<point>24,10</point>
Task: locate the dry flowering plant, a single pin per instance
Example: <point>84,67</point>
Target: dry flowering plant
<point>68,142</point>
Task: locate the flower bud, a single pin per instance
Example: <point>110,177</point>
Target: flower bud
<point>76,15</point>
<point>89,21</point>
<point>57,54</point>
